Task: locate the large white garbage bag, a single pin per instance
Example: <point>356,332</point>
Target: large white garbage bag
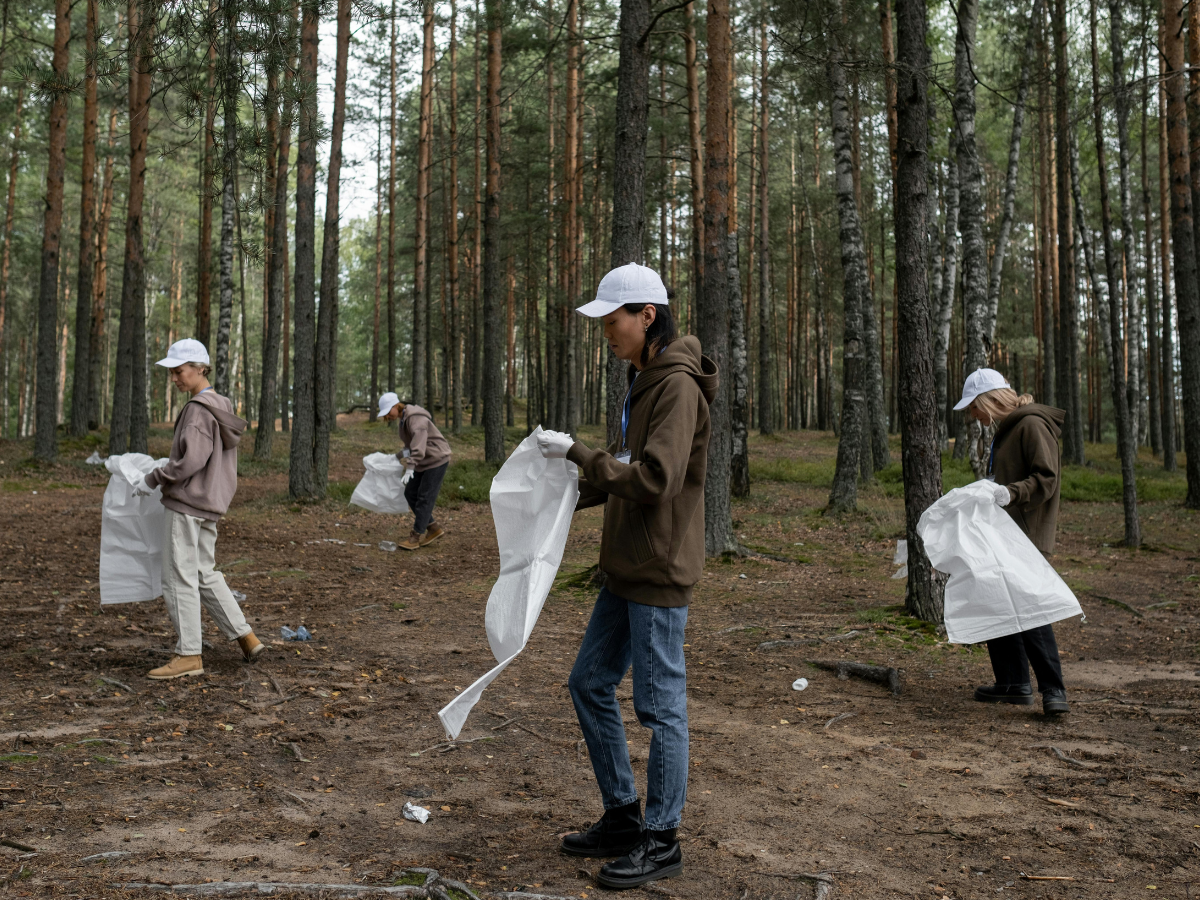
<point>130,533</point>
<point>999,581</point>
<point>382,488</point>
<point>533,500</point>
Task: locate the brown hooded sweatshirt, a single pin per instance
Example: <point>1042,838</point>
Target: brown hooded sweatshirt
<point>201,477</point>
<point>423,439</point>
<point>1026,459</point>
<point>652,546</point>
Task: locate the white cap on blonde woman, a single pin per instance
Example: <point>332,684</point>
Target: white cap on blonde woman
<point>626,284</point>
<point>980,382</point>
<point>386,402</point>
<point>189,350</point>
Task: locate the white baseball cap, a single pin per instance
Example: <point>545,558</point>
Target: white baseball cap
<point>189,350</point>
<point>386,402</point>
<point>626,284</point>
<point>980,382</point>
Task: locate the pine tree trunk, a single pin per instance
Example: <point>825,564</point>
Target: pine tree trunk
<point>552,344</point>
<point>420,349</point>
<point>713,304</point>
<point>921,460</point>
<point>844,494</point>
<point>971,212</point>
<point>629,174</point>
<point>739,369</point>
<point>300,473</point>
<point>1154,409</point>
<point>1126,433</point>
<point>476,336</point>
<point>695,154</point>
<point>1187,291</point>
<point>229,114</point>
<point>1170,437</point>
<point>204,243</point>
<point>391,239</point>
<point>98,363</point>
<point>455,348</point>
<point>1068,301</point>
<point>1133,301</point>
<point>373,413</point>
<point>1099,285</point>
<point>129,414</point>
<point>1049,383</point>
<point>6,251</point>
<point>766,407</point>
<point>325,380</point>
<point>46,437</point>
<point>944,309</point>
<point>87,235</point>
<point>564,350</point>
<point>493,316</point>
<point>1010,181</point>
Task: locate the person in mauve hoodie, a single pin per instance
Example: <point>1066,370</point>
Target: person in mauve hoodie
<point>651,482</point>
<point>1024,462</point>
<point>427,452</point>
<point>198,482</point>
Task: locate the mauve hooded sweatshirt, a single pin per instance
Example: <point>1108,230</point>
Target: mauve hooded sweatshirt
<point>200,478</point>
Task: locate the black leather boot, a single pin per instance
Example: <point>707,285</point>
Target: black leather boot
<point>615,834</point>
<point>1018,694</point>
<point>657,855</point>
<point>1054,702</point>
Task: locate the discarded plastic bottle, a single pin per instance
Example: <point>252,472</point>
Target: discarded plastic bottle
<point>239,597</point>
<point>799,684</point>
<point>388,546</point>
<point>302,634</point>
<point>287,634</point>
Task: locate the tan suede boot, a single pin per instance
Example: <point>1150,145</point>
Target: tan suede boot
<point>431,534</point>
<point>252,647</point>
<point>414,542</point>
<point>178,667</point>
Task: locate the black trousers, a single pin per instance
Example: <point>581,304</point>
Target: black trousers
<point>421,492</point>
<point>1013,654</point>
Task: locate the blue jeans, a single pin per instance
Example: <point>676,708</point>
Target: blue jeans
<point>622,632</point>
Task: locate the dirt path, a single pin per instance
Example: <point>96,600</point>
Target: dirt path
<point>296,770</point>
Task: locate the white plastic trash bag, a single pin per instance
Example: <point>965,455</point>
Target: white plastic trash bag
<point>130,532</point>
<point>999,582</point>
<point>382,488</point>
<point>533,500</point>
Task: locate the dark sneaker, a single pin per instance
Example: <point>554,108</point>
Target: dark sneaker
<point>657,855</point>
<point>1054,702</point>
<point>1018,694</point>
<point>616,834</point>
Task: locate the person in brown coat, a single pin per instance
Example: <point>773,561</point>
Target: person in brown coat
<point>1024,462</point>
<point>651,480</point>
<point>427,452</point>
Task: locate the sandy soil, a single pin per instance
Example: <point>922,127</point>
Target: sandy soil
<point>295,770</point>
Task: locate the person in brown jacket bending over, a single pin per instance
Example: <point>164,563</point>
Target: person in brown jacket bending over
<point>197,483</point>
<point>1024,463</point>
<point>427,453</point>
<point>651,481</point>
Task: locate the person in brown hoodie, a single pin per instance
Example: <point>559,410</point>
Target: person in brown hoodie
<point>1025,463</point>
<point>427,452</point>
<point>198,482</point>
<point>651,480</point>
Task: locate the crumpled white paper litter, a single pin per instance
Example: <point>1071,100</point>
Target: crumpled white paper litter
<point>533,500</point>
<point>415,813</point>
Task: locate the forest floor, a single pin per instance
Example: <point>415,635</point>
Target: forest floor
<point>295,770</point>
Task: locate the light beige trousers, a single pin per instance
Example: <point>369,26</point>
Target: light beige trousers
<point>190,580</point>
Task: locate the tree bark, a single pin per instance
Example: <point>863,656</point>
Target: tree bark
<point>229,114</point>
<point>420,349</point>
<point>325,380</point>
<point>45,445</point>
<point>970,173</point>
<point>1187,298</point>
<point>844,494</point>
<point>130,417</point>
<point>6,252</point>
<point>1183,241</point>
<point>87,235</point>
<point>739,378</point>
<point>1049,383</point>
<point>944,310</point>
<point>713,305</point>
<point>300,470</point>
<point>766,406</point>
<point>921,461</point>
<point>476,348</point>
<point>98,363</point>
<point>1170,438</point>
<point>375,392</point>
<point>1154,408</point>
<point>391,238</point>
<point>204,244</point>
<point>1068,302</point>
<point>455,348</point>
<point>695,154</point>
<point>1133,301</point>
<point>493,314</point>
<point>629,173</point>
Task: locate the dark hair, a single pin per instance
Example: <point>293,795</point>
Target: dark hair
<point>661,331</point>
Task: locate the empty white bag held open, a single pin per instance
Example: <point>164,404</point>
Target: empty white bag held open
<point>999,581</point>
<point>533,500</point>
<point>382,488</point>
<point>130,532</point>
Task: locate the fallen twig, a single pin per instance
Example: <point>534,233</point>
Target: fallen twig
<point>885,675</point>
<point>296,752</point>
<point>297,797</point>
<point>803,876</point>
<point>1073,761</point>
<point>1047,877</point>
<point>368,606</point>
<point>17,845</point>
<point>116,683</point>
<point>505,723</point>
<point>232,888</point>
<point>450,745</point>
<point>530,731</point>
<point>772,645</point>
<point>275,681</point>
<point>1112,601</point>
<point>265,704</point>
<point>1054,801</point>
<point>846,715</point>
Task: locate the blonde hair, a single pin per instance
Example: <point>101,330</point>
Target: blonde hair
<point>204,369</point>
<point>999,403</point>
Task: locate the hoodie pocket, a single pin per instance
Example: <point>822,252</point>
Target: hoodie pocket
<point>643,547</point>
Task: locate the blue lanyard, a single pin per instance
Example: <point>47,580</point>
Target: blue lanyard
<point>991,456</point>
<point>209,388</point>
<point>625,412</point>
